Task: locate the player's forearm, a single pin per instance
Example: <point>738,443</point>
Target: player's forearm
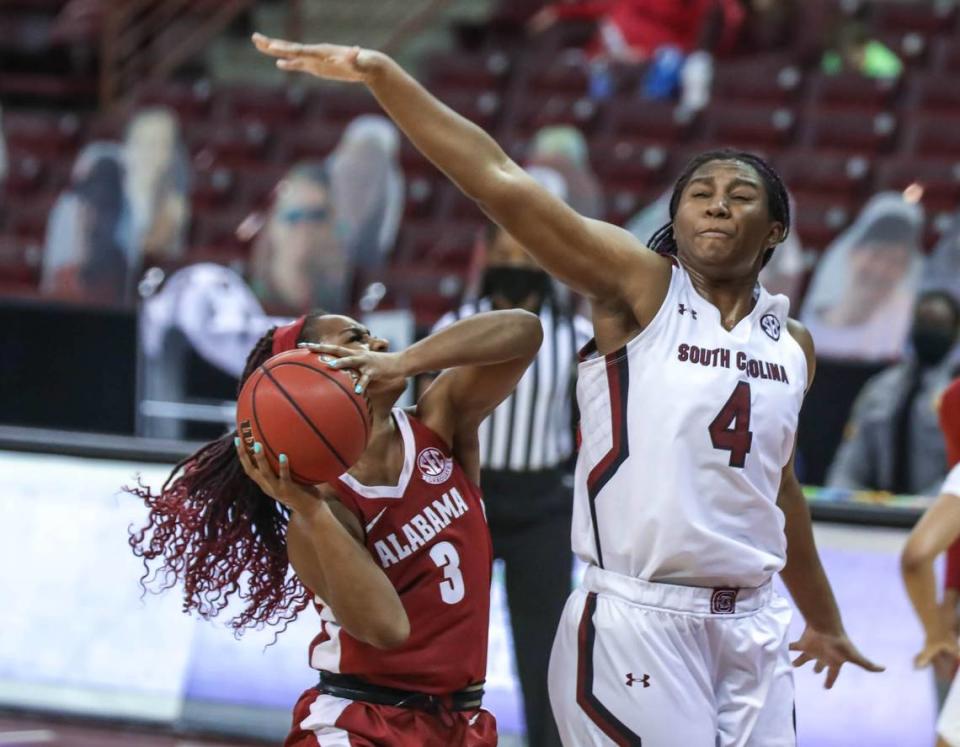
<point>921,584</point>
<point>564,243</point>
<point>358,592</point>
<point>480,340</point>
<point>456,146</point>
<point>803,573</point>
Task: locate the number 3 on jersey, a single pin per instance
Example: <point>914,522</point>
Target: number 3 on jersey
<point>446,556</point>
<point>730,430</point>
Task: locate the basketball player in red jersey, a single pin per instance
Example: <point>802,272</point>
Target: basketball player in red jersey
<point>686,502</point>
<point>395,554</point>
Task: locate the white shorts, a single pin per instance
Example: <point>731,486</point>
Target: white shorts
<point>638,662</point>
<point>948,724</point>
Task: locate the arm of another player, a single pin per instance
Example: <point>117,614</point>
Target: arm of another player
<point>937,529</point>
<point>482,357</point>
<point>597,259</point>
<point>325,547</point>
<point>824,640</point>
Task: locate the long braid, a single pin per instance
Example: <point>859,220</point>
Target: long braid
<point>211,526</point>
<point>664,241</point>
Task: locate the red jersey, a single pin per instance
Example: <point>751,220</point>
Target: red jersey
<point>429,534</point>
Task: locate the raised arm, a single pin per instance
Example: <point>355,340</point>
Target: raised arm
<point>597,259</point>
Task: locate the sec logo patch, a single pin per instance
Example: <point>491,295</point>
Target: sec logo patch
<point>771,325</point>
<point>434,466</point>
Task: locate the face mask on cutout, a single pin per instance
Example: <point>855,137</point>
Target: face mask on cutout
<point>514,284</point>
<point>931,344</point>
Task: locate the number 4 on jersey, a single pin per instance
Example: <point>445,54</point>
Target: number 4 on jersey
<point>730,430</point>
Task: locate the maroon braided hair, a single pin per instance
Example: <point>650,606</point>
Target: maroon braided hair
<point>212,528</point>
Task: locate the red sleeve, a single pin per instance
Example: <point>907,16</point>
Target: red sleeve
<point>952,579</point>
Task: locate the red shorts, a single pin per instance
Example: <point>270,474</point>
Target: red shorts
<point>321,720</point>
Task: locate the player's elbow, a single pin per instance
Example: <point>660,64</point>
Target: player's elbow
<point>389,632</point>
<point>529,331</point>
<point>916,556</point>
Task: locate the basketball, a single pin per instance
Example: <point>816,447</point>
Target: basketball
<point>295,404</point>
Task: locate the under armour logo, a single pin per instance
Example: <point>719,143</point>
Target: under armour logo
<point>683,310</point>
<point>645,680</point>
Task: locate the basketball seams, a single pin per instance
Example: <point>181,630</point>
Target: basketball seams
<point>303,415</point>
<point>350,395</point>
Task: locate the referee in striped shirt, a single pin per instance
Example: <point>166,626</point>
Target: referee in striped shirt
<point>526,446</point>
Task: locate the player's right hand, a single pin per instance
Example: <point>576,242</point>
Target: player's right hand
<point>282,488</point>
<point>328,61</point>
<point>934,648</point>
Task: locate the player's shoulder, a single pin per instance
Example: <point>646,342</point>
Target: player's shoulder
<point>804,339</point>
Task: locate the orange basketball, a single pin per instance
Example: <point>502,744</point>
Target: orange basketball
<point>295,404</point>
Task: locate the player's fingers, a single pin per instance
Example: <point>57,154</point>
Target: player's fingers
<point>832,673</point>
<point>862,661</point>
<point>284,468</point>
<point>323,347</point>
<point>276,47</point>
<point>347,362</point>
<point>263,466</point>
<point>795,646</point>
<point>243,456</point>
<point>802,659</point>
<point>819,666</point>
<point>292,65</point>
<point>364,382</point>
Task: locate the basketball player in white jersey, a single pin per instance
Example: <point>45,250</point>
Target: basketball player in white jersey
<point>686,498</point>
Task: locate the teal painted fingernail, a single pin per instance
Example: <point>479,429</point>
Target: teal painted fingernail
<point>358,389</point>
<point>283,459</point>
<point>257,448</point>
<point>236,443</point>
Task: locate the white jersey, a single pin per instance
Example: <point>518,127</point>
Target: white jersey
<point>684,435</point>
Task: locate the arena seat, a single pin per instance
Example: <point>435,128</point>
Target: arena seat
<point>631,117</point>
<point>771,127</point>
<point>851,90</point>
<point>850,132</point>
<point>934,135</point>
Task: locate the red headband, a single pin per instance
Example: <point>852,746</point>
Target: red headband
<point>285,337</point>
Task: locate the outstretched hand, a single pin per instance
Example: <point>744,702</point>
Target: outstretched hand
<point>328,61</point>
<point>830,651</point>
<point>935,649</point>
<point>375,370</point>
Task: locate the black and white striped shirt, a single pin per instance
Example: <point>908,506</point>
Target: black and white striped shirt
<point>531,429</point>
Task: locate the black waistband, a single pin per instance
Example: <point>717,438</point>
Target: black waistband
<point>353,688</point>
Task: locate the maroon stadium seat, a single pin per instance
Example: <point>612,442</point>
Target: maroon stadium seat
<point>818,223</point>
<point>269,105</point>
<point>535,112</point>
<point>934,135</point>
<point>776,84</point>
<point>925,17</point>
<point>631,164</point>
<point>466,71</point>
<point>568,75</point>
<point>807,171</point>
<point>935,93</point>
<point>946,55</point>
<point>43,134</point>
<point>631,117</point>
<point>751,127</point>
<point>940,179</point>
<point>189,101</point>
<point>851,132</point>
<point>850,90</point>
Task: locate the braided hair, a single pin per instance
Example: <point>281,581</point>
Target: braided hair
<point>663,240</point>
<point>210,526</point>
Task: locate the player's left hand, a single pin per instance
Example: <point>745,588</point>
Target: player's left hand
<point>376,371</point>
<point>830,651</point>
